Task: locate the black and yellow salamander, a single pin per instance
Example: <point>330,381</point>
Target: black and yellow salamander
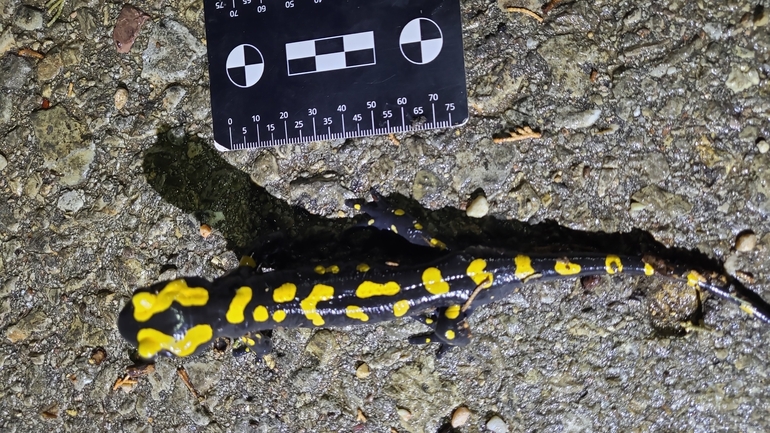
<point>181,317</point>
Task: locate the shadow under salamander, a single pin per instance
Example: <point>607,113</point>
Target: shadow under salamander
<point>204,184</point>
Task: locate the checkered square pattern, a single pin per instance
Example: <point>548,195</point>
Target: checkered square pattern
<point>329,54</point>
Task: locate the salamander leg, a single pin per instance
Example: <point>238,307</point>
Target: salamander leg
<point>449,327</point>
<point>386,217</point>
<point>256,342</point>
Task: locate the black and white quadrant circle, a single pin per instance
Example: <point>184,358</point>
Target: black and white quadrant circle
<point>421,41</point>
<point>245,65</point>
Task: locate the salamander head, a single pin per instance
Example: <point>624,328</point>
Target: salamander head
<point>159,319</point>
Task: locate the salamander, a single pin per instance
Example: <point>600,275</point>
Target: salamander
<point>181,317</point>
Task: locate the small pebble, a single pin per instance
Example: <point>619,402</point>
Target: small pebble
<point>745,241</point>
<point>497,425</point>
<point>121,98</point>
<point>205,230</point>
<point>763,146</point>
<point>404,414</point>
<point>460,416</point>
<point>478,208</point>
<point>363,371</point>
<point>3,162</point>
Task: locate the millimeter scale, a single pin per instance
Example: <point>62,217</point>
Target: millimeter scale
<point>294,71</point>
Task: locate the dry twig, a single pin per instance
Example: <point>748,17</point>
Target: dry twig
<point>523,133</point>
<point>525,11</point>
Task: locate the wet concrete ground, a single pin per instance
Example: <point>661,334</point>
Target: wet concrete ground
<point>654,118</point>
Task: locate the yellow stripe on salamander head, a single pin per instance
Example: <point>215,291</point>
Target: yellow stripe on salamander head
<point>151,341</point>
<point>148,304</point>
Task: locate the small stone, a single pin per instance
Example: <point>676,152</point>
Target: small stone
<point>580,120</point>
<point>15,72</point>
<point>363,371</point>
<point>741,78</point>
<point>29,18</point>
<point>3,162</point>
<point>497,425</point>
<point>460,417</point>
<point>746,241</point>
<point>7,42</point>
<point>50,67</point>
<point>763,146</point>
<point>173,97</point>
<point>205,230</point>
<point>761,16</point>
<point>71,201</point>
<point>121,98</point>
<point>478,208</point>
<point>404,414</point>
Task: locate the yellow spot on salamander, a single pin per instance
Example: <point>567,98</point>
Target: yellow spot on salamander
<point>320,293</point>
<point>357,206</point>
<point>434,282</point>
<point>356,313</point>
<point>279,316</point>
<point>285,293</point>
<point>452,312</point>
<point>398,212</point>
<point>393,229</point>
<point>694,279</point>
<point>748,309</point>
<point>437,243</point>
<point>235,313</point>
<point>400,308</point>
<point>565,267</point>
<point>476,273</point>
<point>362,267</point>
<point>370,222</point>
<point>147,304</point>
<point>613,264</point>
<point>261,314</point>
<point>449,334</point>
<point>418,226</point>
<point>648,270</point>
<point>428,321</point>
<point>524,267</point>
<point>333,269</point>
<point>320,270</point>
<point>248,261</point>
<point>151,341</point>
<point>367,289</point>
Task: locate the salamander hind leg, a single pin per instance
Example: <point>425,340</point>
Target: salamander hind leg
<point>449,328</point>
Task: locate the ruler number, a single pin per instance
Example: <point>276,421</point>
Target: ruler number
<point>317,1</point>
<point>244,130</point>
<point>247,2</point>
<point>433,97</point>
<point>387,114</point>
<point>255,118</point>
<point>357,117</point>
<point>298,124</point>
<point>327,121</point>
<point>450,106</point>
<point>233,13</point>
<point>312,111</point>
<point>401,101</point>
<point>342,108</point>
<point>220,5</point>
<point>371,104</point>
<point>283,115</point>
<point>289,4</point>
<point>271,127</point>
<point>417,111</point>
<point>261,9</point>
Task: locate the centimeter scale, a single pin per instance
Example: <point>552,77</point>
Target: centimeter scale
<point>293,71</point>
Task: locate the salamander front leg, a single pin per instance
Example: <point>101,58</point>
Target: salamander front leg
<point>386,217</point>
<point>258,343</point>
